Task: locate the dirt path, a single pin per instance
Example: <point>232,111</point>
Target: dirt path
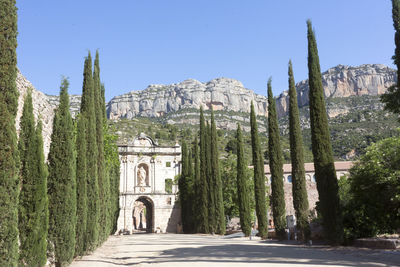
<point>196,250</point>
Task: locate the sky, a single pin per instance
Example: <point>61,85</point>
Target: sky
<point>144,42</point>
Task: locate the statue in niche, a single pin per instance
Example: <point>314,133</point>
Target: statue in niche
<point>141,174</point>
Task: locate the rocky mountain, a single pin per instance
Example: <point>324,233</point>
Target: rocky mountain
<point>43,107</point>
<point>344,81</point>
<point>230,95</point>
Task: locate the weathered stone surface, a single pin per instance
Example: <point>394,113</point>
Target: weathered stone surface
<point>344,81</point>
<point>157,100</point>
<point>380,243</point>
<point>43,107</point>
<point>231,95</point>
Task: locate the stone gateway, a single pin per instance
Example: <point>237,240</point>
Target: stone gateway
<point>147,192</point>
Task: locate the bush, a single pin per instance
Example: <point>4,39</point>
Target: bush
<point>372,204</point>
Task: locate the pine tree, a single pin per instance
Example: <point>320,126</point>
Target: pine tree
<point>9,182</point>
<point>259,177</point>
<point>392,97</point>
<point>61,185</point>
<point>88,110</point>
<point>299,190</point>
<point>276,167</point>
<point>32,209</point>
<point>242,188</point>
<point>104,185</point>
<point>210,183</point>
<point>327,184</point>
<point>203,185</point>
<point>216,177</point>
<point>81,190</point>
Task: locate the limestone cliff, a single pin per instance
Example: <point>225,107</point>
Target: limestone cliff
<point>344,81</point>
<point>230,95</point>
<point>158,100</point>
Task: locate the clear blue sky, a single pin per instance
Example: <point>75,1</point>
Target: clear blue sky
<point>143,42</point>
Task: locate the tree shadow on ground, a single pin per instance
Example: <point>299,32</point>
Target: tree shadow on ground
<point>268,254</point>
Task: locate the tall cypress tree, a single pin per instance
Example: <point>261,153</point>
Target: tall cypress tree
<point>190,192</point>
<point>299,190</point>
<point>242,188</point>
<point>325,173</point>
<point>392,97</point>
<point>259,177</point>
<point>81,190</point>
<point>183,189</point>
<point>104,185</point>
<point>210,183</point>
<point>8,138</point>
<point>218,198</point>
<point>88,110</point>
<point>32,210</point>
<point>197,188</point>
<point>276,167</point>
<point>203,185</point>
<point>61,185</point>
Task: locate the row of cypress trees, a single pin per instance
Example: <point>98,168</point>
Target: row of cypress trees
<point>83,172</point>
<point>201,190</point>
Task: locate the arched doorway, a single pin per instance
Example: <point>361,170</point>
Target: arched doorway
<point>143,215</point>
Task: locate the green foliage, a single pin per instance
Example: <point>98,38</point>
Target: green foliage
<point>61,185</point>
<point>184,194</point>
<point>242,186</point>
<point>81,190</point>
<point>33,205</point>
<point>203,185</point>
<point>259,177</point>
<point>103,183</point>
<point>299,189</point>
<point>210,182</point>
<point>88,105</point>
<point>8,138</point>
<point>325,173</point>
<point>220,226</point>
<point>371,197</point>
<point>392,97</point>
<point>276,167</point>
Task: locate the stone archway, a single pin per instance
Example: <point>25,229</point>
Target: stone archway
<point>143,215</point>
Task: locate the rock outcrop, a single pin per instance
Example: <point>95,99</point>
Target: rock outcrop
<point>230,95</point>
<point>43,108</point>
<point>344,81</point>
<point>158,100</point>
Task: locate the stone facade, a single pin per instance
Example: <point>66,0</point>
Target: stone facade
<point>145,167</point>
<point>342,169</point>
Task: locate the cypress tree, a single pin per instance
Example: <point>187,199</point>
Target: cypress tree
<point>203,185</point>
<point>8,138</point>
<point>327,184</point>
<point>210,182</point>
<point>299,190</point>
<point>81,190</point>
<point>391,98</point>
<point>197,188</point>
<point>242,189</point>
<point>219,201</point>
<point>259,177</point>
<point>32,210</point>
<point>191,208</point>
<point>61,185</point>
<point>183,189</point>
<point>104,185</point>
<point>276,167</point>
<point>88,110</point>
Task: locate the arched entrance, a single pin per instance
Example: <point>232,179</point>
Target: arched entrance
<point>143,215</point>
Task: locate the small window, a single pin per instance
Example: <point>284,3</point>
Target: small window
<point>314,180</point>
<point>168,186</point>
<point>169,201</point>
<point>168,164</point>
<point>289,179</point>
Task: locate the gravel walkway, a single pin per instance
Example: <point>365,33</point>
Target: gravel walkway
<point>204,250</point>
